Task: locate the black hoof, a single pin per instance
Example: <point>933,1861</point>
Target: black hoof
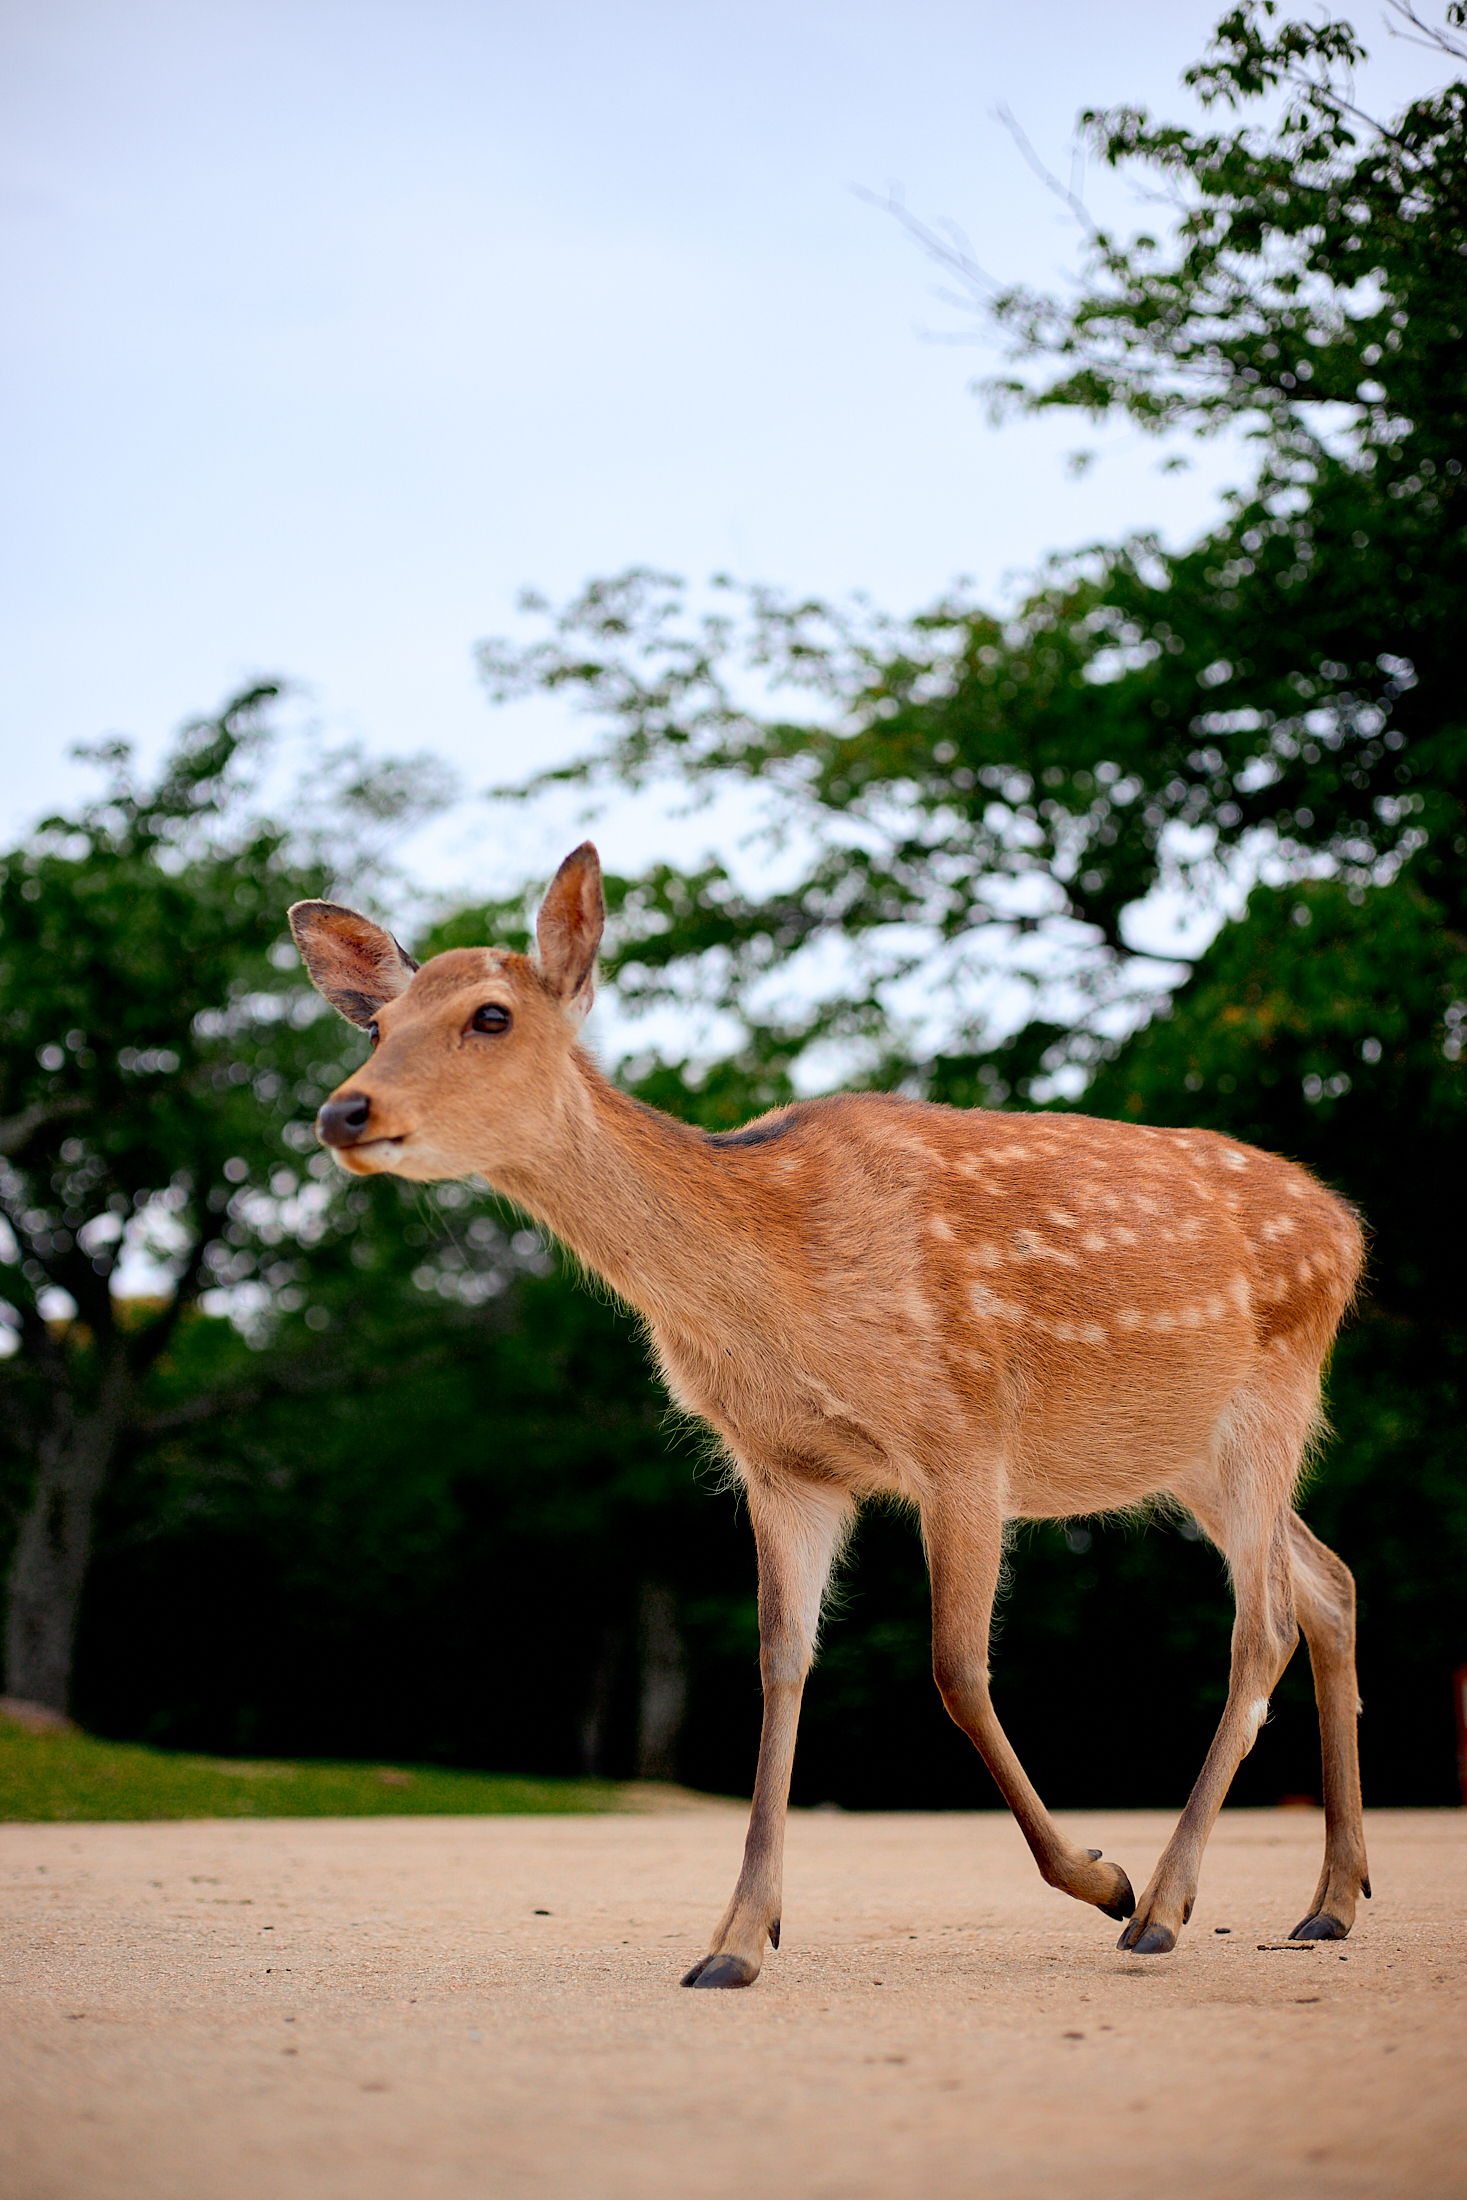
<point>1124,1904</point>
<point>1147,1940</point>
<point>721,1970</point>
<point>1320,1927</point>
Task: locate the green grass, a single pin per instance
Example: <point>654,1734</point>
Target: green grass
<point>75,1776</point>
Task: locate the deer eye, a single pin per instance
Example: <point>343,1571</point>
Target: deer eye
<point>491,1017</point>
<point>373,1034</point>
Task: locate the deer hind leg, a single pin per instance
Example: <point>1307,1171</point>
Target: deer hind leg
<point>1324,1592</point>
<point>798,1529</point>
<point>964,1553</point>
<point>1255,1539</point>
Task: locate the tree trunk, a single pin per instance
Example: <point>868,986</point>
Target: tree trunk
<point>595,1734</point>
<point>49,1565</point>
<point>664,1683</point>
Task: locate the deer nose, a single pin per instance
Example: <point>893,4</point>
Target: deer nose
<point>341,1122</point>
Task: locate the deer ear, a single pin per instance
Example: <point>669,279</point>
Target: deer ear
<point>352,962</point>
<point>572,917</point>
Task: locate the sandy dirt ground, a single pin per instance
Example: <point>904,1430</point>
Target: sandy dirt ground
<point>433,2009</point>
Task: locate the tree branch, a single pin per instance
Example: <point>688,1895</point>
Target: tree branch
<point>154,1340</point>
<point>17,1131</point>
<point>1051,182</point>
<point>1433,40</point>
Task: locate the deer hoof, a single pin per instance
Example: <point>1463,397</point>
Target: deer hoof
<point>721,1970</point>
<point>1320,1927</point>
<point>1122,1903</point>
<point>1141,1939</point>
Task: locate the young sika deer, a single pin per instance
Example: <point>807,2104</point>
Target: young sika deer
<point>995,1317</point>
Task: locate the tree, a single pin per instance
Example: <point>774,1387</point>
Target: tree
<point>445,1563</point>
<point>968,814</point>
<point>156,1057</point>
<point>979,797</point>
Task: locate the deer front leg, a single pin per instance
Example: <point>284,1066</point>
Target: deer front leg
<point>964,1551</point>
<point>798,1529</point>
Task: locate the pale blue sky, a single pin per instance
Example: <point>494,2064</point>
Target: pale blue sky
<point>331,325</point>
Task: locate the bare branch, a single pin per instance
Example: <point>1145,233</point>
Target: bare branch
<point>951,252</point>
<point>17,1131</point>
<point>1434,40</point>
<point>1050,181</point>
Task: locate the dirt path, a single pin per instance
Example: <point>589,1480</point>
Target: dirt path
<point>379,2010</point>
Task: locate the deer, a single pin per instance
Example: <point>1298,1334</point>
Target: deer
<point>989,1315</point>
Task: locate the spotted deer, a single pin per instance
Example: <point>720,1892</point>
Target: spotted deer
<point>989,1316</point>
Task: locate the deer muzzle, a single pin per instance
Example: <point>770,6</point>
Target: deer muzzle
<point>343,1119</point>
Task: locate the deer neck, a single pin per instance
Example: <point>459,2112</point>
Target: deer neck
<point>637,1196</point>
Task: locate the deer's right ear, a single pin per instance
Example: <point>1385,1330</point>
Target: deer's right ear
<point>351,962</point>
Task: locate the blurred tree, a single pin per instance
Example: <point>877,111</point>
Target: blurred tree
<point>392,1504</point>
<point>447,1565</point>
<point>973,823</point>
<point>976,800</point>
<point>156,1053</point>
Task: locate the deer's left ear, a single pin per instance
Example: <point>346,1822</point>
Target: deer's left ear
<point>351,962</point>
<point>568,930</point>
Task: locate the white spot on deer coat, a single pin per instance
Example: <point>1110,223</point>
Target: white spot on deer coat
<point>991,1306</point>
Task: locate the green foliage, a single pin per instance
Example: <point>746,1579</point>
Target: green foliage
<point>392,1484</point>
<point>160,1061</point>
<point>978,797</point>
<point>157,1056</point>
<point>968,816</point>
<point>436,1566</point>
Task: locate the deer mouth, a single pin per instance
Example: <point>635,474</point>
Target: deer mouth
<point>369,1156</point>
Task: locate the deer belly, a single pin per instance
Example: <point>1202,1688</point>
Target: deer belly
<point>1090,1437</point>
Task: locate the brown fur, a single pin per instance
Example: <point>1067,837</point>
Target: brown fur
<point>990,1316</point>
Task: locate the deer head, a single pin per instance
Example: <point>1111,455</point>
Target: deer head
<point>469,1052</point>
